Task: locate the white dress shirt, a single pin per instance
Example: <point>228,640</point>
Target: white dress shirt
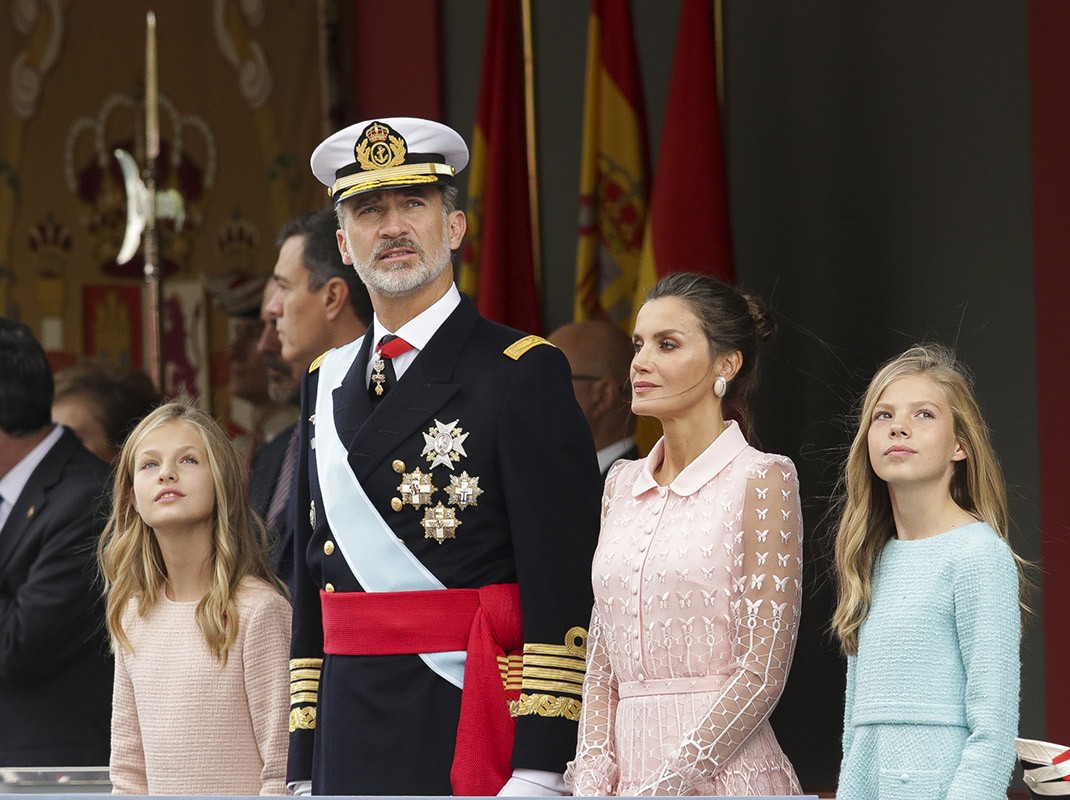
<point>12,484</point>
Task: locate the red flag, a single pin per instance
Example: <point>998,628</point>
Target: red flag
<point>687,225</point>
<point>498,268</point>
<point>615,169</point>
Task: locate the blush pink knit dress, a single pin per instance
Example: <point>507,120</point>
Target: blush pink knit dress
<point>697,598</point>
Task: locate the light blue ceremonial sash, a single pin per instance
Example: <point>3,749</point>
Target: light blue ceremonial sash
<point>377,557</point>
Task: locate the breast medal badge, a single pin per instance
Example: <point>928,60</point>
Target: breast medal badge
<point>444,444</point>
<point>463,490</point>
<point>378,374</point>
<point>416,488</point>
<point>440,523</point>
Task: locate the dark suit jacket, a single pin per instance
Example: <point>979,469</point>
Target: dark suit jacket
<point>263,478</point>
<point>55,667</point>
<point>387,724</point>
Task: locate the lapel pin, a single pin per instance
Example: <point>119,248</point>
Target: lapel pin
<point>30,512</point>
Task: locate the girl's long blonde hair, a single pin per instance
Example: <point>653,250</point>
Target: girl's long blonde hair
<point>130,557</point>
<point>866,521</point>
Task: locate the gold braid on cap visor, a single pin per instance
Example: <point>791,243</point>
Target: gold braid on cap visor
<point>405,175</point>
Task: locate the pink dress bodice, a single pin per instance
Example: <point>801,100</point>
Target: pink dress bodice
<point>697,596</point>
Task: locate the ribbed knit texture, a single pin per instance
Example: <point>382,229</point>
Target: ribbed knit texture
<point>184,724</point>
<point>932,696</point>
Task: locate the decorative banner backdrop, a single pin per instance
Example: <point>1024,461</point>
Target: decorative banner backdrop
<point>241,92</point>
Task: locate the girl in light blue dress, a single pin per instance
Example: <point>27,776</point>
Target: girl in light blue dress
<point>929,611</point>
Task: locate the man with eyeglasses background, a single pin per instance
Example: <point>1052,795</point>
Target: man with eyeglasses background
<point>600,355</point>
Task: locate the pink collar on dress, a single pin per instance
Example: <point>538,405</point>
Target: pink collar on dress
<point>699,472</point>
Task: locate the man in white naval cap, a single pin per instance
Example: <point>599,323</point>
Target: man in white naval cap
<point>448,511</point>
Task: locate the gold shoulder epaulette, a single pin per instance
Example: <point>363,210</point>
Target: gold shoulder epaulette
<point>521,346</point>
<point>315,365</point>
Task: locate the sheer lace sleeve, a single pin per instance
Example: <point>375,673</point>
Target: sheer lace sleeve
<point>765,608</point>
<point>594,770</point>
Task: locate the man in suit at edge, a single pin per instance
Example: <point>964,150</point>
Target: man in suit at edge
<point>600,355</point>
<point>55,666</point>
<point>449,503</point>
<point>318,303</point>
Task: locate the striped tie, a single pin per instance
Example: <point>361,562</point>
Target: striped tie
<point>281,497</point>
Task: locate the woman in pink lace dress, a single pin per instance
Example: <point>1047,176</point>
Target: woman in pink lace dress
<point>697,572</point>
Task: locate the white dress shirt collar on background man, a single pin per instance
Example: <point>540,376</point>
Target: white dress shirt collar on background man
<point>12,484</point>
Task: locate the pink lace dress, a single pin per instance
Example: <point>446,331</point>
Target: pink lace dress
<point>697,596</point>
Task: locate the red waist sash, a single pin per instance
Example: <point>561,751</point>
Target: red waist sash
<point>486,622</point>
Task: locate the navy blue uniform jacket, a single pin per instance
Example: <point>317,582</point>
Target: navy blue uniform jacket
<point>387,724</point>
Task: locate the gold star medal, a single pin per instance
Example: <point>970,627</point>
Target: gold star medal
<point>464,490</point>
<point>416,488</point>
<point>440,523</point>
<point>444,444</point>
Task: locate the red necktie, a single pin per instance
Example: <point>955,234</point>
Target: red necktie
<point>383,376</point>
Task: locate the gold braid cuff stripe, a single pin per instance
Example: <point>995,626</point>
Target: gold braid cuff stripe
<point>297,698</point>
<point>304,674</point>
<point>544,705</point>
<point>553,686</point>
<point>534,673</point>
<point>303,719</point>
<point>575,641</point>
<point>302,663</point>
<point>305,686</point>
<point>571,664</point>
<point>511,668</point>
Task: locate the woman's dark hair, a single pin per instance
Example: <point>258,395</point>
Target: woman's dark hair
<point>732,320</point>
<point>25,381</point>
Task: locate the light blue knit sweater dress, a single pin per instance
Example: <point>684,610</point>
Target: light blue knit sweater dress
<point>932,696</point>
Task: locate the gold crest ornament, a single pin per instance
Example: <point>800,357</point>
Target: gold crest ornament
<point>380,147</point>
<point>444,444</point>
<point>440,523</point>
<point>378,374</point>
<point>416,488</point>
<point>464,490</point>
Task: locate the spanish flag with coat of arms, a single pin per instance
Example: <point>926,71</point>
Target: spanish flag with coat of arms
<point>614,172</point>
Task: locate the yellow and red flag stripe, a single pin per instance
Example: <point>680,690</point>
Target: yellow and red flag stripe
<point>614,172</point>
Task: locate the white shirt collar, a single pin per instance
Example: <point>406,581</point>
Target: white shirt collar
<point>417,331</point>
<point>12,484</point>
<point>611,452</point>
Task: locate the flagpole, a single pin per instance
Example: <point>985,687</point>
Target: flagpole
<point>718,31</point>
<point>529,119</point>
<point>150,250</point>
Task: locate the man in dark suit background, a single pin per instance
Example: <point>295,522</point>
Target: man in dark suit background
<point>319,303</point>
<point>55,666</point>
<point>600,355</point>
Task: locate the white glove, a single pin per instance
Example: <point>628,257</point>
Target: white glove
<point>300,788</point>
<point>534,783</point>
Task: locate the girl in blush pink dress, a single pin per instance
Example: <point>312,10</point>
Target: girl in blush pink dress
<point>697,572</point>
